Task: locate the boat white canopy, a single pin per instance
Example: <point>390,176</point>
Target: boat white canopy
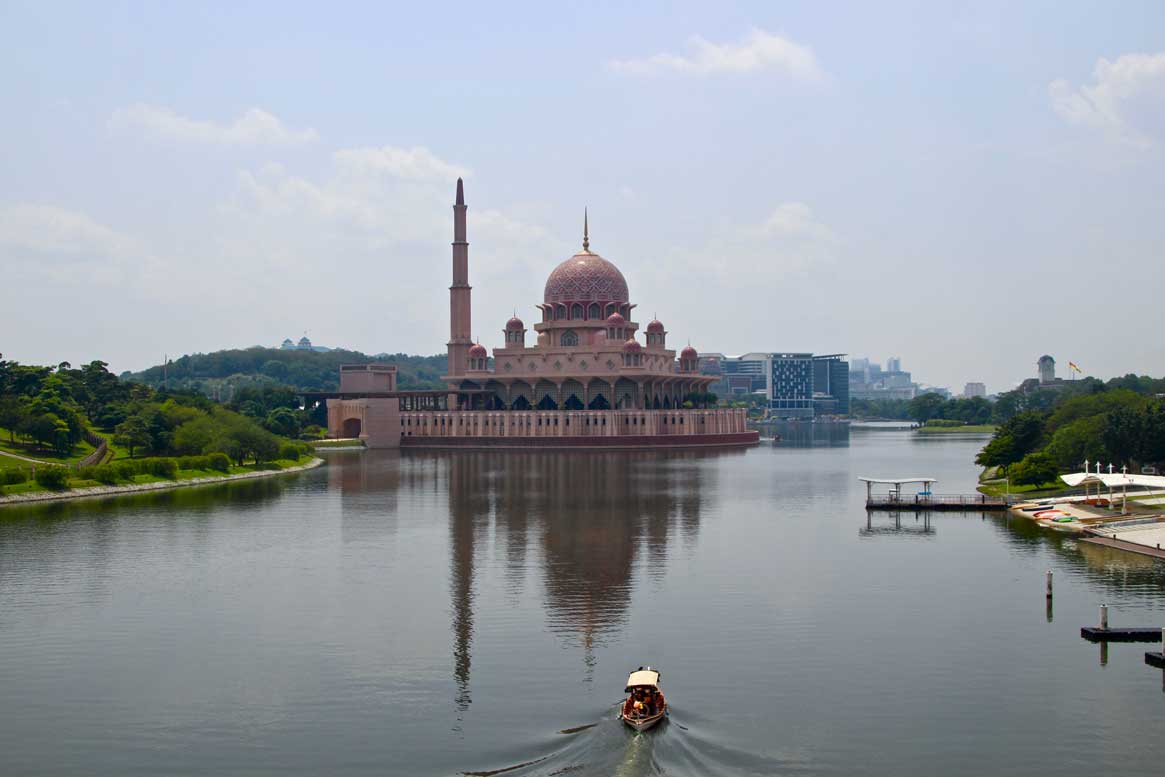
<point>642,677</point>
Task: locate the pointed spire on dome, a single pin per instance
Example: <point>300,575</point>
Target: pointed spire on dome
<point>460,193</point>
<point>586,235</point>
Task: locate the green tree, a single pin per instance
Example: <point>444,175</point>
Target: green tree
<point>12,415</point>
<point>925,407</point>
<point>283,421</point>
<point>1013,440</point>
<point>132,433</point>
<point>1034,469</point>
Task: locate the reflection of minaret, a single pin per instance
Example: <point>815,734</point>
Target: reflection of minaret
<point>460,336</point>
<point>468,505</point>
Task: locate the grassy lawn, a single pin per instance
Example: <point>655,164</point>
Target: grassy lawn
<point>80,450</point>
<point>183,474</point>
<point>1000,488</point>
<point>977,428</point>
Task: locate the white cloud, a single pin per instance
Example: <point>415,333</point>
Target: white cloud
<point>416,163</point>
<point>57,245</point>
<point>1126,98</point>
<point>47,229</point>
<point>795,221</point>
<point>254,127</point>
<point>759,50</point>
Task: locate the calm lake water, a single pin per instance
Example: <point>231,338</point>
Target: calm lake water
<point>437,614</point>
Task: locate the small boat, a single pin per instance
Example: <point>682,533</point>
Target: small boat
<point>645,705</point>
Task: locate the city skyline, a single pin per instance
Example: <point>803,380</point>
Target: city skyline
<point>933,179</point>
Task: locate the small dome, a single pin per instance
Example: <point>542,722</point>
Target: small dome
<point>478,351</point>
<point>632,346</point>
<point>515,323</point>
<point>689,353</point>
<point>655,327</point>
<point>616,320</point>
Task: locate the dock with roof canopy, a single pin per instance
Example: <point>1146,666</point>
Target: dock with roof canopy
<point>919,495</point>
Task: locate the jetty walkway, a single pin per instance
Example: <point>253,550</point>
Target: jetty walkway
<point>894,499</point>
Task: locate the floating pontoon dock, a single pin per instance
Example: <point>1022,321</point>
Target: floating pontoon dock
<point>925,499</point>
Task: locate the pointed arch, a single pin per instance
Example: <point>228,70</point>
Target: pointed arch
<point>569,337</point>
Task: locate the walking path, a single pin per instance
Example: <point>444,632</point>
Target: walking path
<point>23,458</point>
<point>78,493</point>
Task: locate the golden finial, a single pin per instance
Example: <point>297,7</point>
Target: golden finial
<point>586,236</point>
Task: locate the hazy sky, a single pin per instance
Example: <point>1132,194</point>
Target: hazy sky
<point>965,186</point>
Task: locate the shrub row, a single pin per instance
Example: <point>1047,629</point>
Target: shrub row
<point>12,477</point>
<point>212,461</point>
<point>52,478</point>
<point>293,450</point>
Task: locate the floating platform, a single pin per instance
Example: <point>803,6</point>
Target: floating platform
<point>976,502</point>
<point>1134,634</point>
<point>1155,659</point>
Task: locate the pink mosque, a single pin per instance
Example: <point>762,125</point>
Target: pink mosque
<point>586,381</point>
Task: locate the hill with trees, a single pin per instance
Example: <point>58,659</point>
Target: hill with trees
<point>103,428</point>
<point>222,373</point>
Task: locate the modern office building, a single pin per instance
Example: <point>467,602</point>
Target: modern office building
<point>794,384</point>
<point>830,384</point>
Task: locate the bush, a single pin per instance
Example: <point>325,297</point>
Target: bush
<point>219,462</point>
<point>12,477</point>
<point>194,462</point>
<point>124,470</point>
<point>1035,469</point>
<point>105,474</point>
<point>162,468</point>
<point>293,450</point>
<point>52,478</point>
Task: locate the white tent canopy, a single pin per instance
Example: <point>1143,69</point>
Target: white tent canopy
<point>1113,480</point>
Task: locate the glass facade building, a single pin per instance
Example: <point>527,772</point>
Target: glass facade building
<point>795,385</point>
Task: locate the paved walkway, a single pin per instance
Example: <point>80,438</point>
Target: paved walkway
<point>1134,547</point>
<point>23,458</point>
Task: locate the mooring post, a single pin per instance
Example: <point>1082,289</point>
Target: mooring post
<point>1048,584</point>
<point>1104,616</point>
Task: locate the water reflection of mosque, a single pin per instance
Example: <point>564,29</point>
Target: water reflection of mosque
<point>595,519</point>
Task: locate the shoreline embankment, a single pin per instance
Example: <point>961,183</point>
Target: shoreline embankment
<point>138,488</point>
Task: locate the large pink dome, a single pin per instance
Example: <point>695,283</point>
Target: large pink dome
<point>586,277</point>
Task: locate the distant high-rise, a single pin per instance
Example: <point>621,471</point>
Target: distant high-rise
<point>974,390</point>
<point>894,364</point>
<point>795,385</point>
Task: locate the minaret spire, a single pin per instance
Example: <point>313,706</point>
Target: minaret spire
<point>586,236</point>
<point>459,291</point>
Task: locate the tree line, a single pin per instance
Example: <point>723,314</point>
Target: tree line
<point>210,373</point>
<point>51,409</point>
<point>1121,422</point>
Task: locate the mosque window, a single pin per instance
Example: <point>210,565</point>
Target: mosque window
<point>569,337</point>
<point>576,312</point>
<point>593,311</point>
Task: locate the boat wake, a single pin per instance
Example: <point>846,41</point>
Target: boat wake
<point>608,747</point>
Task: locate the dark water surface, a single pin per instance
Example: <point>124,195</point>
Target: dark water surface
<point>433,614</point>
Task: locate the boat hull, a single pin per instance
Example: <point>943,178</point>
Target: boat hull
<point>644,723</point>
